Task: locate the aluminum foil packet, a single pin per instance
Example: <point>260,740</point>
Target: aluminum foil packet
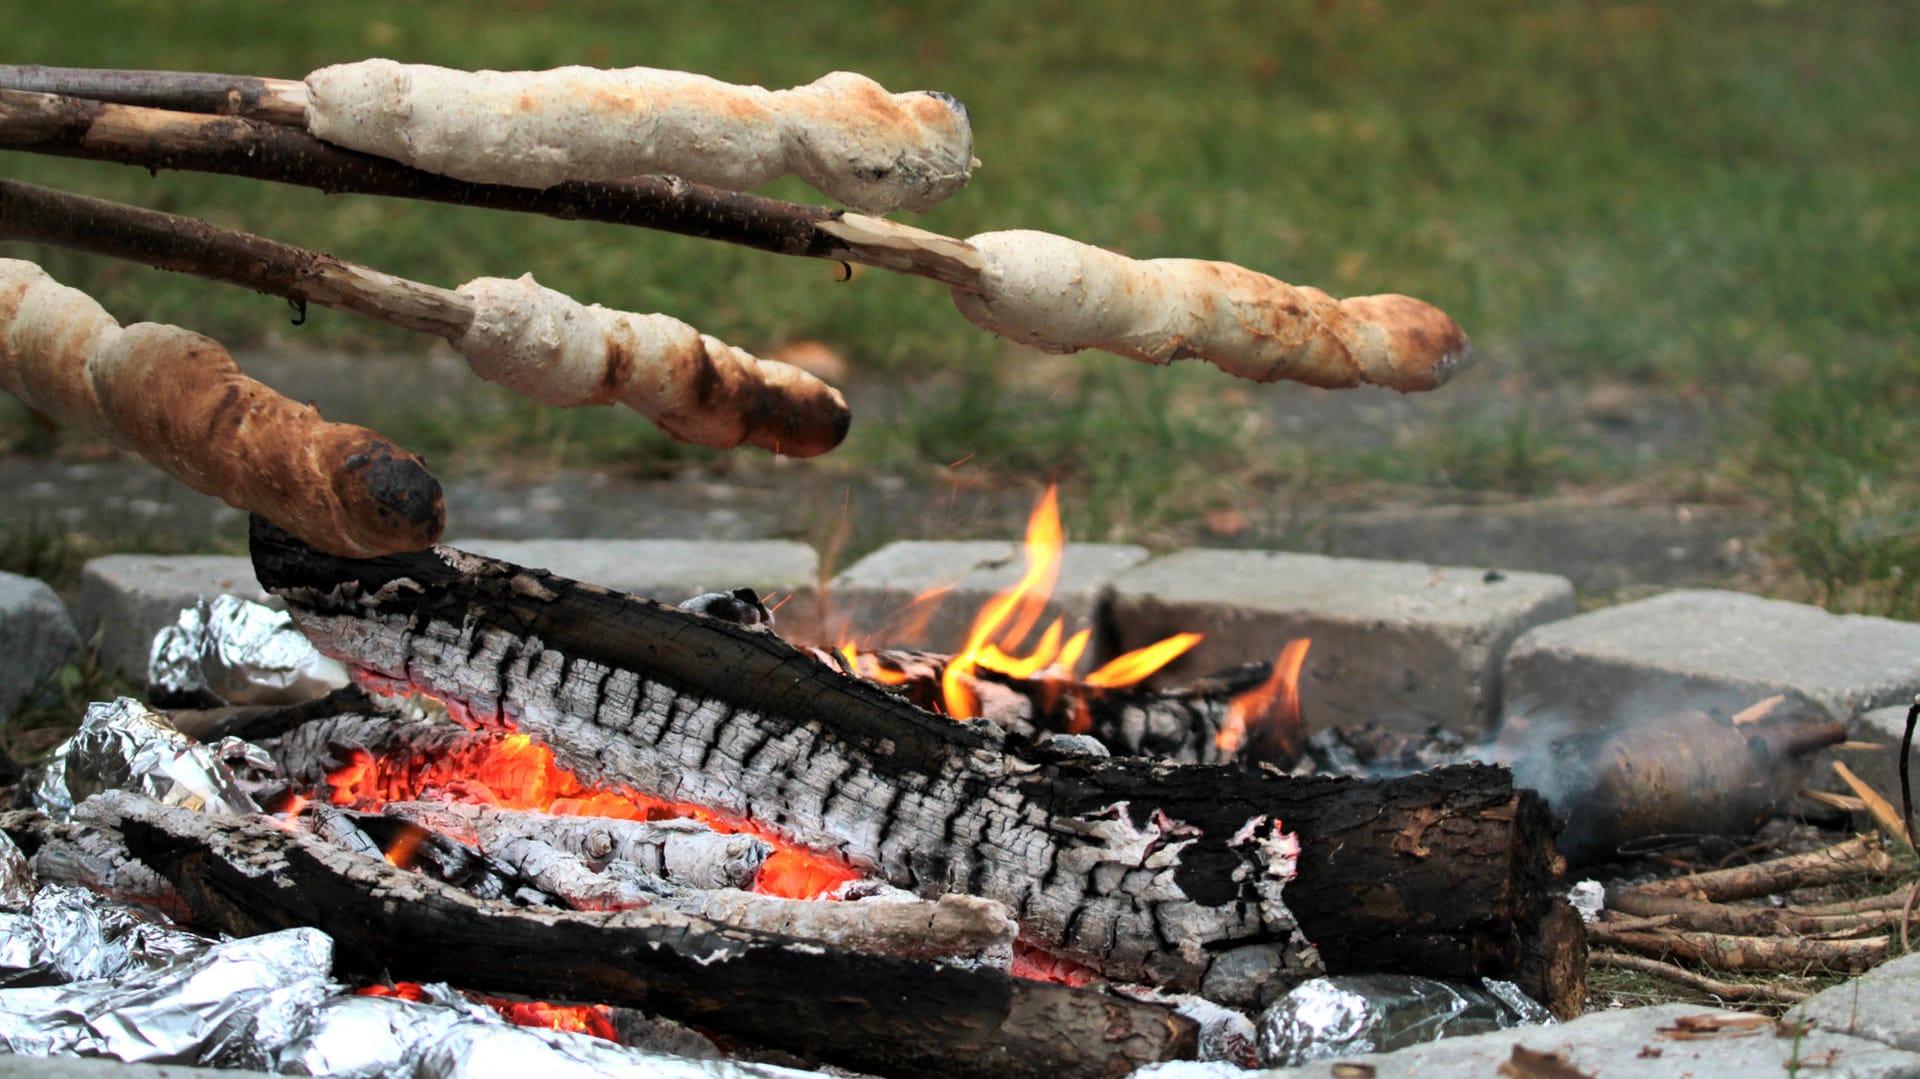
<point>124,745</point>
<point>229,650</point>
<point>73,934</point>
<point>1346,1015</point>
<point>207,1008</point>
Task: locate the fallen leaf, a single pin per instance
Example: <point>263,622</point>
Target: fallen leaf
<point>1532,1064</point>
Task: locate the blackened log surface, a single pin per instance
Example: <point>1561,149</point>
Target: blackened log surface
<point>886,1015</point>
<point>1143,870</point>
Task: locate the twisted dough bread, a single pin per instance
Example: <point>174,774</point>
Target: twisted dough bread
<point>177,399</point>
<point>696,388</point>
<point>1059,295</point>
<point>843,133</point>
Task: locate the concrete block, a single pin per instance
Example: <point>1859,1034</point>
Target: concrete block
<point>874,601</point>
<point>1719,651</point>
<point>1402,643</point>
<point>1628,1042</point>
<point>1883,1004</point>
<point>670,571</point>
<point>37,639</point>
<point>127,598</point>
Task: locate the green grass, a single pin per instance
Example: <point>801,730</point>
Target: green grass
<point>1702,198</point>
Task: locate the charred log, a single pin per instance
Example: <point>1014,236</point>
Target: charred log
<point>246,876</point>
<point>1145,871</point>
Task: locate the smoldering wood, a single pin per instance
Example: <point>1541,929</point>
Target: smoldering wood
<point>235,146</point>
<point>679,851</point>
<point>1145,870</point>
<point>257,723</point>
<point>277,101</point>
<point>245,876</point>
<point>88,855</point>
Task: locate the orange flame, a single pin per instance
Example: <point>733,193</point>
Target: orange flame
<point>515,772</point>
<point>1272,706</point>
<point>594,1019</point>
<point>1006,620</point>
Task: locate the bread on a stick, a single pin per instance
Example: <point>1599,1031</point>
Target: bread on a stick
<point>1060,295</point>
<point>178,399</point>
<point>696,388</point>
<point>843,133</point>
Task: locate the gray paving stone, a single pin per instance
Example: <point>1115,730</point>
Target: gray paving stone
<point>1403,643</point>
<point>1882,1004</point>
<point>1610,1045</point>
<point>37,638</point>
<point>1714,650</point>
<point>671,570</point>
<point>873,600</point>
<point>127,598</point>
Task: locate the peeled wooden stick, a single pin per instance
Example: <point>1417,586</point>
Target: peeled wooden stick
<point>180,401</point>
<point>531,339</point>
<point>1682,976</point>
<point>1852,860</point>
<point>1075,297</point>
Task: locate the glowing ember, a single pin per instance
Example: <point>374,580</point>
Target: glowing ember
<point>594,1019</point>
<point>514,772</point>
<point>1271,708</point>
<point>1041,966</point>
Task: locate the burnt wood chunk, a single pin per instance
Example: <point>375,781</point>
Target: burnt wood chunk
<point>883,1014</point>
<point>1145,871</point>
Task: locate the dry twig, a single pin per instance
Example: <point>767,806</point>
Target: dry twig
<point>1766,991</point>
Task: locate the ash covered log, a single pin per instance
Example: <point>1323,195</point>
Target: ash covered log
<point>882,1014</point>
<point>1144,871</point>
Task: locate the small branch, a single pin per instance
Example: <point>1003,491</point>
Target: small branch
<point>1745,921</point>
<point>274,101</point>
<point>234,146</point>
<point>1680,975</point>
<point>1729,952</point>
<point>187,245</point>
<point>1852,860</point>
<point>1887,817</point>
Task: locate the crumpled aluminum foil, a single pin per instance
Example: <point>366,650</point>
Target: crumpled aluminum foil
<point>447,1036</point>
<point>123,745</point>
<point>238,652</point>
<point>202,1009</point>
<point>72,934</point>
<point>16,876</point>
<point>1346,1015</point>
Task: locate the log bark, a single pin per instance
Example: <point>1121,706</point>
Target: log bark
<point>1146,871</point>
<point>235,146</point>
<point>881,1014</point>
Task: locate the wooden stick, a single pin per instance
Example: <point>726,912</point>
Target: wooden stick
<point>1746,921</point>
<point>234,146</point>
<point>1692,980</point>
<point>274,101</point>
<point>1730,952</point>
<point>1856,858</point>
<point>187,245</point>
<point>1033,287</point>
<point>1887,817</point>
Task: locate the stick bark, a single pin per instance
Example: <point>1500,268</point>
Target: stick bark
<point>1853,860</point>
<point>274,101</point>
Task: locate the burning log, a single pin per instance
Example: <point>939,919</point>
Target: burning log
<point>246,877</point>
<point>1142,870</point>
<point>180,401</point>
<point>533,340</point>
